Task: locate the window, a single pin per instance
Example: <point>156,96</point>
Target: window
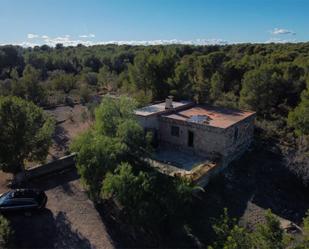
<point>175,131</point>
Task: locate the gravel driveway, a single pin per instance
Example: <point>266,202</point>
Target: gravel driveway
<point>69,221</point>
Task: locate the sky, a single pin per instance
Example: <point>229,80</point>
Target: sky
<point>37,22</point>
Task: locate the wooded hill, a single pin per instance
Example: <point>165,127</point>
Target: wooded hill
<point>272,79</point>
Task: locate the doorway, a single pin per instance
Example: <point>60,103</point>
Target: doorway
<point>190,139</point>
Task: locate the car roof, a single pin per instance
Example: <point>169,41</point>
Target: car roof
<point>24,193</point>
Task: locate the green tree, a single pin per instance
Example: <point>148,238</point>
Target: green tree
<point>64,82</point>
<point>130,190</point>
<point>84,93</point>
<point>229,235</point>
<point>217,86</point>
<point>269,235</point>
<point>25,133</point>
<point>201,83</point>
<point>107,78</point>
<point>141,72</point>
<point>97,155</point>
<point>30,83</point>
<point>299,117</point>
<point>181,84</point>
<point>116,137</point>
<point>262,90</point>
<point>140,194</point>
<point>112,112</point>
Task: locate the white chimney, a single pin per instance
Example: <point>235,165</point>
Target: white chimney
<point>169,103</point>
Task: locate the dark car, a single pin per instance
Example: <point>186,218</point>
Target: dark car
<point>23,199</point>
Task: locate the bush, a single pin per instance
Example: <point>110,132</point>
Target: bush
<point>5,232</point>
<point>149,199</point>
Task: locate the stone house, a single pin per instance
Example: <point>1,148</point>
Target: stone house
<point>213,132</point>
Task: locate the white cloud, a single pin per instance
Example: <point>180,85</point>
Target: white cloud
<point>277,40</point>
<point>27,44</point>
<point>280,31</point>
<point>32,36</point>
<point>87,36</point>
<point>167,42</point>
<point>66,40</point>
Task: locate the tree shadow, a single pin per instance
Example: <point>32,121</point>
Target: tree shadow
<point>60,139</point>
<point>110,216</point>
<point>43,230</point>
<point>123,234</point>
<point>259,177</point>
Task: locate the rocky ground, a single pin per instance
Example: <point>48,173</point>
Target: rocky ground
<point>70,121</point>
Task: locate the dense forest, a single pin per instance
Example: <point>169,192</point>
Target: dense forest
<point>271,79</point>
<point>268,78</point>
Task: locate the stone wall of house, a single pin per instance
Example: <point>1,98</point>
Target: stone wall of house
<point>210,141</point>
<point>239,137</point>
<point>207,140</point>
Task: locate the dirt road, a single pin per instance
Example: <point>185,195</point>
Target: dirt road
<point>69,221</point>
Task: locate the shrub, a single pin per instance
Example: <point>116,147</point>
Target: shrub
<point>5,232</point>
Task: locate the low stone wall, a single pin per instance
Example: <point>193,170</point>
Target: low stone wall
<point>60,164</point>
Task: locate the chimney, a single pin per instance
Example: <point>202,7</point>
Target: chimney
<point>169,103</point>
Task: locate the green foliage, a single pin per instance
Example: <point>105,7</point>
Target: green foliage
<point>84,93</point>
<point>25,133</point>
<point>111,113</point>
<point>269,235</point>
<point>181,83</point>
<point>267,78</point>
<point>229,235</point>
<point>116,137</point>
<point>31,89</point>
<point>261,89</point>
<point>96,156</point>
<point>64,82</point>
<point>130,190</point>
<point>5,232</point>
<point>142,98</point>
<point>90,78</point>
<point>304,244</point>
<point>140,195</point>
<point>131,134</point>
<point>299,117</point>
<point>107,78</point>
<point>140,73</point>
<point>217,86</point>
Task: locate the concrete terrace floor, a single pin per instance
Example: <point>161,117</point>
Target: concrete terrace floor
<point>181,159</point>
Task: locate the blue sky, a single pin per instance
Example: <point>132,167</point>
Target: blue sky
<point>30,22</point>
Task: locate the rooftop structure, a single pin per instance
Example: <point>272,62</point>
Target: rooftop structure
<point>210,116</point>
<point>160,108</point>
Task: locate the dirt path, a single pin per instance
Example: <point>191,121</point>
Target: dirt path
<point>69,221</point>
